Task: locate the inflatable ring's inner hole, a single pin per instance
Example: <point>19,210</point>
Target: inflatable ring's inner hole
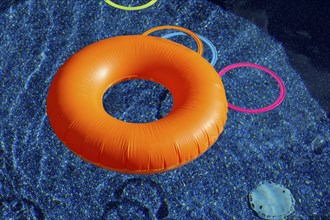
<point>138,101</point>
<point>250,88</point>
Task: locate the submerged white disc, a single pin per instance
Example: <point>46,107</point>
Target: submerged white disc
<point>271,201</point>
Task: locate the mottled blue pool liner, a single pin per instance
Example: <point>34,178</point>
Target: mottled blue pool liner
<point>41,178</point>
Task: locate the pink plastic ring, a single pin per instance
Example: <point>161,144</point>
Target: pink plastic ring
<point>278,79</point>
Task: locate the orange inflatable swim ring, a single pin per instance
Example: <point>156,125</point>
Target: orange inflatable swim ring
<point>77,116</point>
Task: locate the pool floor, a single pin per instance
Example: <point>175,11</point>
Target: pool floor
<point>41,178</point>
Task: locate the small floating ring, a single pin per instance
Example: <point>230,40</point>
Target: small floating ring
<point>204,39</point>
<point>192,34</point>
<point>277,78</point>
<point>128,8</point>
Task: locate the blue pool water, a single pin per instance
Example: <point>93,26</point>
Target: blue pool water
<point>41,178</point>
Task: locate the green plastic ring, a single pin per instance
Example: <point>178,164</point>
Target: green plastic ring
<point>127,8</point>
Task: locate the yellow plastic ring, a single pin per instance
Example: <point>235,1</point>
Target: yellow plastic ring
<point>128,8</point>
<point>192,34</point>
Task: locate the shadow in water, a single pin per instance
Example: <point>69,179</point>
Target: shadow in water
<point>5,4</point>
<point>303,27</point>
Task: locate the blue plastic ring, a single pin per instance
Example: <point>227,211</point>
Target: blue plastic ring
<point>204,39</point>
